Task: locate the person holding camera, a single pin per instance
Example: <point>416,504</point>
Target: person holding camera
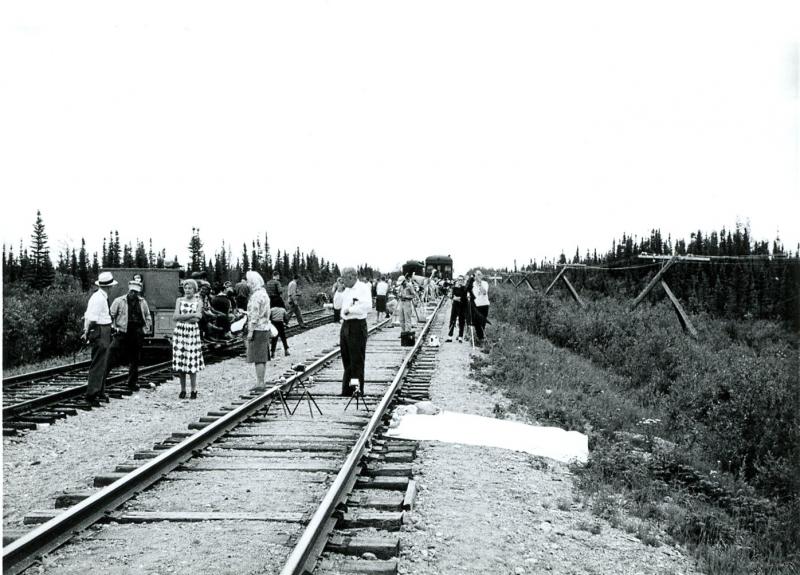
<point>458,310</point>
<point>356,304</point>
<point>97,331</point>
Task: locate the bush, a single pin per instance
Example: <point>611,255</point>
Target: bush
<point>726,402</point>
<point>39,325</point>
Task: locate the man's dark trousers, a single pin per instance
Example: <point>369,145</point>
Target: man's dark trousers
<point>294,309</point>
<point>353,344</point>
<point>101,343</point>
<point>127,348</point>
<point>457,312</point>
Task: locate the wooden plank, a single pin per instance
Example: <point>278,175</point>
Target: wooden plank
<point>358,567</point>
<point>389,520</point>
<point>195,516</point>
<point>573,292</point>
<point>558,277</point>
<point>381,547</point>
<point>682,316</point>
<point>653,282</point>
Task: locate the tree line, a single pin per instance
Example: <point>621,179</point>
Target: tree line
<point>33,266</point>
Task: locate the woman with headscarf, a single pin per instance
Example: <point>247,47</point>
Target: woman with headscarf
<point>258,332</point>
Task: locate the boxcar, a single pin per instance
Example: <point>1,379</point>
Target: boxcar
<point>414,267</point>
<point>442,264</point>
<point>161,289</point>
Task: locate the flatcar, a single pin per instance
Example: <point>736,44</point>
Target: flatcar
<point>161,289</point>
<point>442,264</point>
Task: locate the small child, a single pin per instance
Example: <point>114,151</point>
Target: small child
<point>277,315</point>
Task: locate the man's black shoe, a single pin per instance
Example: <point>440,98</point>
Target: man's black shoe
<point>102,396</point>
<point>134,387</point>
<point>92,400</point>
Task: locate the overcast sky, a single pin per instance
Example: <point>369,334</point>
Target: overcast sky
<point>382,131</point>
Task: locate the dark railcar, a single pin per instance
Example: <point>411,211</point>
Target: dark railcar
<point>161,289</point>
<point>442,264</point>
<point>413,267</point>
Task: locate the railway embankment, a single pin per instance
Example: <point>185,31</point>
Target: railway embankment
<point>491,510</point>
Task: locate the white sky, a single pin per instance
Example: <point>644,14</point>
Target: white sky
<point>382,131</point>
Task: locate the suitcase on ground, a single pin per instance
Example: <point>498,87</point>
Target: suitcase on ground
<point>408,338</point>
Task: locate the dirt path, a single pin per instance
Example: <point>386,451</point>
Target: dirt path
<point>487,510</point>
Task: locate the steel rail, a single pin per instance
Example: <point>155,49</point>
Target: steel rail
<point>22,407</point>
<point>50,371</point>
<point>304,555</point>
<point>17,409</point>
<point>24,551</point>
<point>12,380</point>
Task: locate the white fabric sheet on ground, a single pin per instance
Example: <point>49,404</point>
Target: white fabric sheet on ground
<point>451,427</point>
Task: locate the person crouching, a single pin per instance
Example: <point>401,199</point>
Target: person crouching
<point>277,315</point>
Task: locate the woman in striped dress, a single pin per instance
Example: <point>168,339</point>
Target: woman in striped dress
<point>187,348</point>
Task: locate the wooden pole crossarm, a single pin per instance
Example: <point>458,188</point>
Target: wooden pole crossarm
<point>654,281</point>
<point>558,277</point>
<point>682,316</point>
<point>573,292</point>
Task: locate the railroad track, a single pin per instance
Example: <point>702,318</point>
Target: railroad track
<point>256,488</point>
<point>44,397</point>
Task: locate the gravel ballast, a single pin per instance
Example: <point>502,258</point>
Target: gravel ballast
<point>68,454</point>
<point>489,510</point>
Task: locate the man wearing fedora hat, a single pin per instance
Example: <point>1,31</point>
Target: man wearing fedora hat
<point>131,318</point>
<point>97,331</point>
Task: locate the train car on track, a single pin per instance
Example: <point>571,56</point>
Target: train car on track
<point>161,289</point>
<point>413,267</point>
<point>442,264</point>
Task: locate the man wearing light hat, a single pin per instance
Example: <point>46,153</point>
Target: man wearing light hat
<point>97,331</point>
<point>131,316</point>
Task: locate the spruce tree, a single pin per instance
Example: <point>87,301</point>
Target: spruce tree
<point>41,273</point>
<point>83,266</point>
<point>197,258</point>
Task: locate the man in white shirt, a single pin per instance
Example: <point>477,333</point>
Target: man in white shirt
<point>356,303</point>
<point>97,331</point>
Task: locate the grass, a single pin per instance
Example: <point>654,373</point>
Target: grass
<point>659,490</point>
<point>82,355</point>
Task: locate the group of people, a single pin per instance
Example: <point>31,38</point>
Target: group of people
<point>470,306</point>
<point>116,330</point>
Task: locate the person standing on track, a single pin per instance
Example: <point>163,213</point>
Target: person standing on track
<point>338,290</point>
<point>293,293</point>
<point>187,346</point>
<point>381,291</point>
<point>480,293</point>
<point>356,304</point>
<point>405,310</point>
<point>258,332</point>
<point>274,290</point>
<point>97,331</point>
<point>458,310</point>
<point>130,315</point>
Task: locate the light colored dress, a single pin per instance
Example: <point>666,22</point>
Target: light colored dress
<point>187,347</point>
